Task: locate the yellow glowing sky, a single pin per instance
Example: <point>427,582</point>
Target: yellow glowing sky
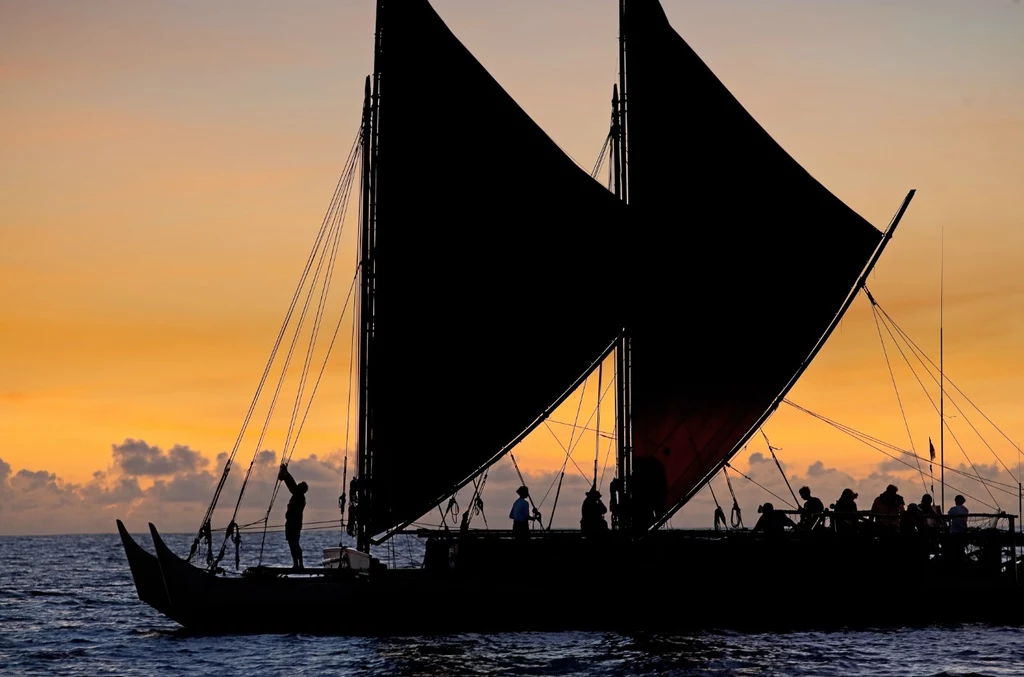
<point>164,168</point>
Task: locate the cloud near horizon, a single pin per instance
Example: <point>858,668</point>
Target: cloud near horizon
<point>172,488</point>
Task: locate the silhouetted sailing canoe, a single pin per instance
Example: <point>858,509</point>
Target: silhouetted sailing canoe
<point>704,202</point>
<point>145,569</point>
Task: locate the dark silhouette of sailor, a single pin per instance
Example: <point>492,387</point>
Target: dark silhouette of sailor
<point>293,515</point>
<point>520,514</point>
<point>593,512</point>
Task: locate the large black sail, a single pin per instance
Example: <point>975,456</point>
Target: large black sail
<point>742,262</point>
<point>486,308</point>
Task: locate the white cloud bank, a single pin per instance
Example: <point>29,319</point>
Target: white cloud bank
<point>172,488</point>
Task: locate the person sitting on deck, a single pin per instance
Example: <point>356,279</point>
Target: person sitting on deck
<point>958,527</point>
<point>889,504</point>
<point>293,515</point>
<point>913,520</point>
<point>810,514</point>
<point>593,513</point>
<point>772,522</point>
<point>931,513</point>
<point>520,514</point>
<point>847,507</point>
<point>958,513</point>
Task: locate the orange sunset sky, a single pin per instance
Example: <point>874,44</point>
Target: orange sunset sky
<point>164,168</point>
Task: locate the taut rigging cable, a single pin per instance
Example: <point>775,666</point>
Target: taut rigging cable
<point>945,425</point>
<point>919,354</point>
<point>328,227</point>
<point>204,528</point>
<point>899,400</point>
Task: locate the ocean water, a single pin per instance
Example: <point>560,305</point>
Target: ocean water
<point>68,607</point>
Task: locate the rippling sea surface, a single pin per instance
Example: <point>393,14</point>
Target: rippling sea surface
<point>68,607</point>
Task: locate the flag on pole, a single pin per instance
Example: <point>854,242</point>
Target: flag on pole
<point>931,472</point>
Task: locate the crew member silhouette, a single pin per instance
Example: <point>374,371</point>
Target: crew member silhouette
<point>813,507</point>
<point>293,515</point>
<point>520,514</point>
<point>772,522</point>
<point>593,513</point>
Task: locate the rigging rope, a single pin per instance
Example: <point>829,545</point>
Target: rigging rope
<point>587,429</point>
<point>289,451</point>
<point>323,366</point>
<point>936,408</point>
<point>736,515</point>
<point>899,401</point>
<point>333,223</point>
<point>750,479</point>
<point>719,513</point>
<point>313,335</point>
<point>569,451</point>
<point>872,441</point>
<point>568,457</point>
<point>877,443</point>
<point>204,528</point>
<point>778,465</point>
<point>558,491</point>
<point>863,438</point>
<point>579,407</point>
<point>607,457</point>
<point>916,349</point>
<point>277,390</point>
<point>309,403</point>
<point>918,354</point>
<point>601,156</point>
<point>476,503</point>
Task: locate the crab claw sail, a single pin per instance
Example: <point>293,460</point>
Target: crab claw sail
<point>741,262</point>
<point>487,234</point>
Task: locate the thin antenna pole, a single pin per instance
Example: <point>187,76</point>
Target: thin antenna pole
<point>597,431</point>
<point>942,389</point>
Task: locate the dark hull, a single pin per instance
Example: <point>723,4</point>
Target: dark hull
<point>145,567</point>
<point>676,584</point>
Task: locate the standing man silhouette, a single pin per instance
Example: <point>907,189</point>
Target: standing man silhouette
<point>293,515</point>
<point>520,514</point>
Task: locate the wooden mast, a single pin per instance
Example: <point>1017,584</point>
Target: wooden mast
<point>622,190</point>
<point>363,495</point>
<point>623,363</point>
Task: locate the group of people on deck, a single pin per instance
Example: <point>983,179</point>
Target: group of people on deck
<point>592,519</point>
<point>888,511</point>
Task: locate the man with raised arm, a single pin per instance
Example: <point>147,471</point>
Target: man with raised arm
<point>293,515</point>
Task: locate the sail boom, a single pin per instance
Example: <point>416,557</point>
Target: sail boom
<point>861,280</point>
<point>544,415</point>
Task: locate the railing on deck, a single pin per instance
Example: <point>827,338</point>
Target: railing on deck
<point>979,525</point>
<point>830,519</point>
